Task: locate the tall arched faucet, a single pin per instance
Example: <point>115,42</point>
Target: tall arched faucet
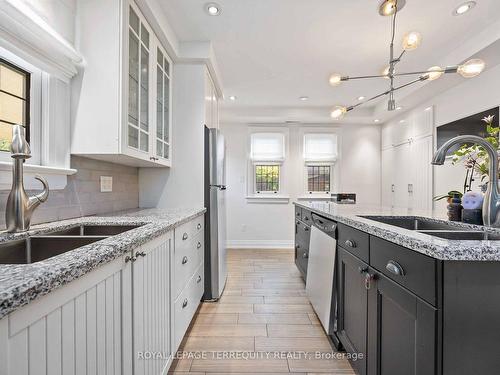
<point>491,204</point>
<point>20,207</point>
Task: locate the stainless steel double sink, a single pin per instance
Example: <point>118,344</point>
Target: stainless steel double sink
<point>36,248</point>
<point>435,228</point>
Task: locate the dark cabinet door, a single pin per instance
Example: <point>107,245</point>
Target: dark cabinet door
<point>353,307</point>
<point>401,330</point>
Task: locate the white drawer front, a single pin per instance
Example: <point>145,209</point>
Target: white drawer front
<point>186,305</point>
<point>186,260</point>
<point>186,232</point>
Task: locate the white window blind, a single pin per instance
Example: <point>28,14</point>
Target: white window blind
<point>320,147</point>
<point>267,147</point>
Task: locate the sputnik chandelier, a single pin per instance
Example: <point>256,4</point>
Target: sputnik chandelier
<point>411,40</point>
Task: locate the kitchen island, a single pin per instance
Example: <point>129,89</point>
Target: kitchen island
<point>409,300</point>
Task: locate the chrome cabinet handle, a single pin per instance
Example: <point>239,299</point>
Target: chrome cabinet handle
<point>184,236</point>
<point>199,245</point>
<point>184,260</point>
<point>140,254</point>
<point>306,218</point>
<point>350,243</point>
<point>363,270</point>
<point>395,268</point>
<point>198,280</point>
<point>184,303</point>
<point>306,229</point>
<point>369,278</point>
<point>198,226</point>
<point>305,256</point>
<point>130,259</point>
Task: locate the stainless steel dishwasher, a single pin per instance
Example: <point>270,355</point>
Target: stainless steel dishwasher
<point>321,271</point>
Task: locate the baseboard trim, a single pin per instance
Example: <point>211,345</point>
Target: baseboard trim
<point>259,244</point>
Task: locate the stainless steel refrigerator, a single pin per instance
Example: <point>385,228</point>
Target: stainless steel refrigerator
<point>215,217</point>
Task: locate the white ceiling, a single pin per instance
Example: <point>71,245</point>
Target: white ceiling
<point>271,52</point>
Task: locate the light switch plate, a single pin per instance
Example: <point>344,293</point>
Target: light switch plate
<point>106,184</point>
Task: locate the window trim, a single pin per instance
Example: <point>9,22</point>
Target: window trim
<point>35,102</point>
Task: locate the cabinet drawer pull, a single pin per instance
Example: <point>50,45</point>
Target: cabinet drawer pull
<point>363,270</point>
<point>395,268</point>
<point>306,229</point>
<point>199,245</point>
<point>184,260</point>
<point>298,213</point>
<point>305,256</point>
<point>184,236</point>
<point>198,280</point>
<point>306,218</point>
<point>350,243</point>
<point>198,226</point>
<point>184,303</point>
<point>140,254</point>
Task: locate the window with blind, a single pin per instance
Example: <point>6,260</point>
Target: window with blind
<point>267,153</point>
<point>14,102</point>
<point>320,154</point>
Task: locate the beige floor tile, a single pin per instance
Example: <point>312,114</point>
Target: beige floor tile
<point>292,344</point>
<point>287,300</point>
<point>216,319</point>
<point>332,366</point>
<point>276,286</point>
<point>185,373</point>
<point>198,344</point>
<point>270,292</point>
<point>181,365</point>
<point>299,318</point>
<point>281,309</point>
<point>232,292</point>
<point>229,330</point>
<point>241,299</point>
<point>250,366</point>
<point>227,308</point>
<point>288,330</point>
<point>313,318</point>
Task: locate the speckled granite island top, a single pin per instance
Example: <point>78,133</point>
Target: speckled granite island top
<point>22,283</point>
<point>439,248</point>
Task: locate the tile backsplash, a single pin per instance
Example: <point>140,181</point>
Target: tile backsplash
<point>82,195</point>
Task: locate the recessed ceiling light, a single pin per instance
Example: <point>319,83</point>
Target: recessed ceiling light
<point>428,109</point>
<point>360,98</point>
<point>399,108</point>
<point>213,9</point>
<point>464,8</point>
<point>232,98</point>
<point>402,121</point>
<point>376,120</point>
<point>304,98</point>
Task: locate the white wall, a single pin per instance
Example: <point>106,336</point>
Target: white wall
<point>182,185</point>
<point>271,224</point>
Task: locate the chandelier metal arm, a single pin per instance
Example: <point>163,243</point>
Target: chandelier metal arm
<point>388,92</point>
<point>449,69</point>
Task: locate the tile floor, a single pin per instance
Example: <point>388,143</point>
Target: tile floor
<point>263,324</point>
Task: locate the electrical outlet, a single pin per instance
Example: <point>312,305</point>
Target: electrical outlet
<point>106,184</point>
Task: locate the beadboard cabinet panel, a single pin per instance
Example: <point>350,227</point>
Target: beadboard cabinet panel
<point>80,336</point>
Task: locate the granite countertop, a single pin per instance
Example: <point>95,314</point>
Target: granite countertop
<point>22,283</point>
<point>438,248</point>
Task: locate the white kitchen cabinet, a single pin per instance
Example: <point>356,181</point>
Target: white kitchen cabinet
<point>420,169</point>
<point>147,311</point>
<point>122,106</point>
<point>387,177</point>
<point>73,330</point>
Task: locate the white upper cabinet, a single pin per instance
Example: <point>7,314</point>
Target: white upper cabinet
<point>416,124</point>
<point>211,103</point>
<point>122,98</point>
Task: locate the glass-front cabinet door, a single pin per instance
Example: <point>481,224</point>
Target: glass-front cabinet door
<point>163,100</point>
<point>149,92</point>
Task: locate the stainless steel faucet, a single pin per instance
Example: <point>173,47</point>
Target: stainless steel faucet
<point>20,207</point>
<point>491,204</point>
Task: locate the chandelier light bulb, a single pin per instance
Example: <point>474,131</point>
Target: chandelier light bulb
<point>338,112</point>
<point>435,72</point>
<point>335,79</point>
<point>471,68</point>
<point>411,41</point>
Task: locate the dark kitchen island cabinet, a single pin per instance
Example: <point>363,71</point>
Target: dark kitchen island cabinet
<point>412,314</point>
